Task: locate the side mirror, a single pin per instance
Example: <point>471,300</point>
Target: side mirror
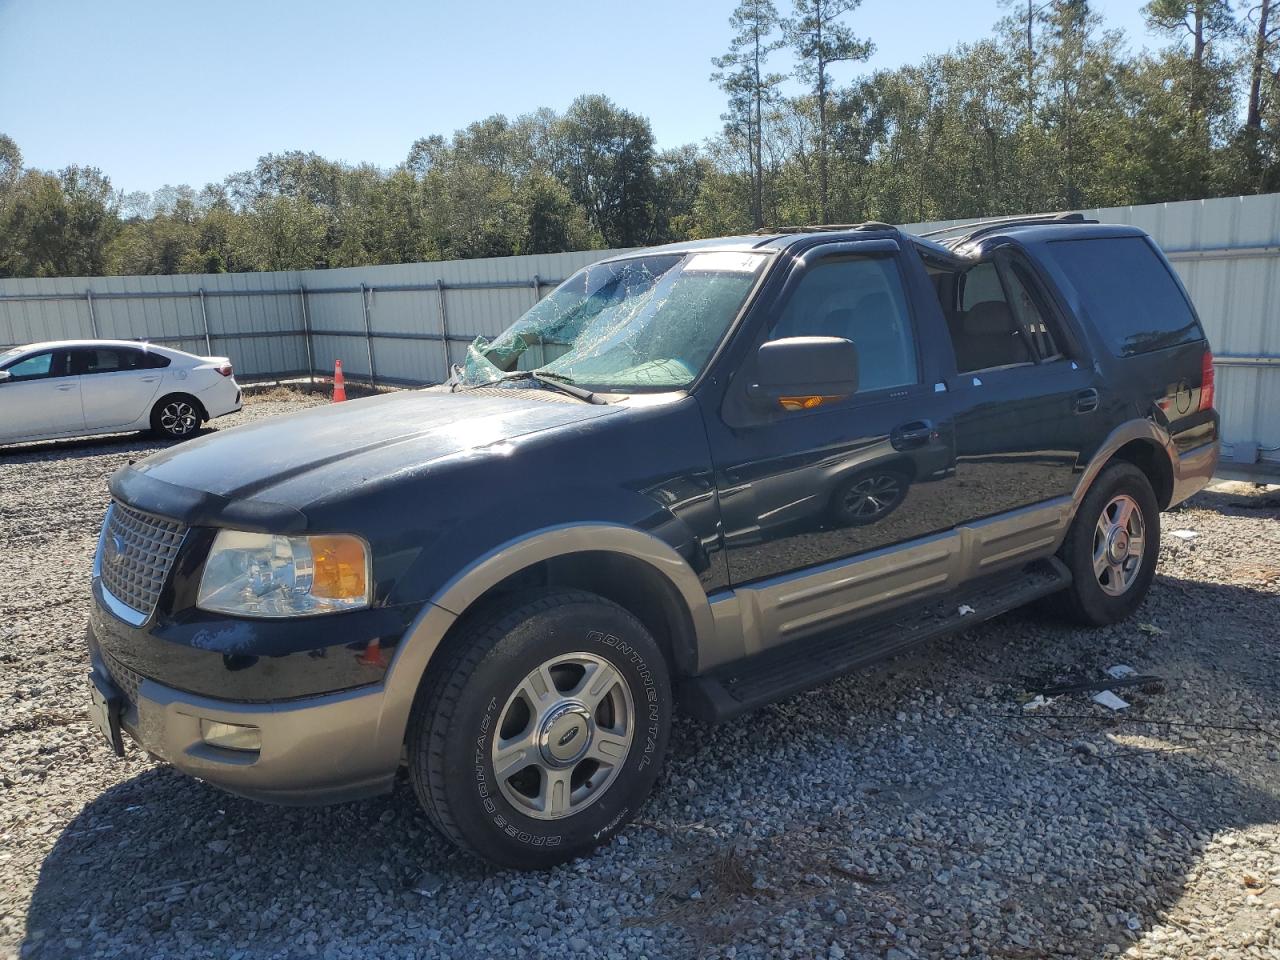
<point>800,373</point>
<point>4,375</point>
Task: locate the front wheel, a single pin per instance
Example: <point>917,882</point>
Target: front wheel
<point>543,732</point>
<point>1112,546</point>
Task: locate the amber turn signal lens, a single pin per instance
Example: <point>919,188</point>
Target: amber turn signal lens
<point>804,403</point>
<point>341,567</point>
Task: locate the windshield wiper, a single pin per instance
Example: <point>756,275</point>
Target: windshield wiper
<point>556,381</point>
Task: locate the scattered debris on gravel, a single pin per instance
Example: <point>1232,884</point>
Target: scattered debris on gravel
<point>922,809</point>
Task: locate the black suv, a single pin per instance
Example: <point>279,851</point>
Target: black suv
<point>712,474</point>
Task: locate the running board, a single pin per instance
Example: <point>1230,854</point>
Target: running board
<point>793,667</point>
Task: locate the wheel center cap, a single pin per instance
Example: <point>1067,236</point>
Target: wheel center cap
<point>1118,548</point>
<point>565,734</point>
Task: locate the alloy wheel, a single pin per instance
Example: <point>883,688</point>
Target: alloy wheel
<point>563,736</point>
<point>1119,542</point>
<point>179,418</point>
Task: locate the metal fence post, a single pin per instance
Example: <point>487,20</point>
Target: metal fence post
<point>368,333</point>
<point>306,334</point>
<point>93,320</point>
<point>444,327</point>
<point>204,318</point>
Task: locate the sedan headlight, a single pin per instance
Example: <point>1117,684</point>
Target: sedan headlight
<point>265,575</point>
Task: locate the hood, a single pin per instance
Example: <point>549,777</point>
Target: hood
<point>263,474</point>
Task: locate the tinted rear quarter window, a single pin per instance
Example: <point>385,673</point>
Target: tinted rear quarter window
<point>1128,293</point>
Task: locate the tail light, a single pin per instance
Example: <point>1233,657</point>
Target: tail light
<point>1206,381</point>
<point>226,370</point>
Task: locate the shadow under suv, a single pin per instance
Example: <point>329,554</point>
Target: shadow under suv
<point>708,475</point>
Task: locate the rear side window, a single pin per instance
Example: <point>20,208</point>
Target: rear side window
<point>108,360</point>
<point>1128,293</point>
<point>984,331</point>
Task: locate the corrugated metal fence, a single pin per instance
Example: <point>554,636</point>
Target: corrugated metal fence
<point>407,323</point>
<point>403,323</point>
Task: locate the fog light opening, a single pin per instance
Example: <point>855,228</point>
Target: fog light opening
<point>231,736</point>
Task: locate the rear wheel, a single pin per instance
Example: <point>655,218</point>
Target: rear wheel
<point>176,417</point>
<point>1112,547</point>
<point>544,730</point>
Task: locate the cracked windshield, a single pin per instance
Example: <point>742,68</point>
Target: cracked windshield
<point>642,323</point>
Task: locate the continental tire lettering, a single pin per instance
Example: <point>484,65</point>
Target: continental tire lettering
<point>650,690</point>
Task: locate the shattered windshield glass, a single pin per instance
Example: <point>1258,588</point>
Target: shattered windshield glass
<point>648,322</point>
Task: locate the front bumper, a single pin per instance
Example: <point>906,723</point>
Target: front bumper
<point>321,749</point>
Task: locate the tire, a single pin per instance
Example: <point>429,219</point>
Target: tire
<point>1102,590</point>
<point>177,416</point>
<point>490,701</point>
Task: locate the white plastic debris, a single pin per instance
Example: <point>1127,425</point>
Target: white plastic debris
<point>1036,702</point>
<point>1152,629</point>
<point>965,610</point>
<point>1184,534</point>
<point>1110,700</point>
<point>1120,671</point>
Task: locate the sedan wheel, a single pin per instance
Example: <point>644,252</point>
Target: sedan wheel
<point>177,418</point>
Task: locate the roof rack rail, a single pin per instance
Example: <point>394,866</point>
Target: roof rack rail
<point>979,227</point>
<point>823,228</point>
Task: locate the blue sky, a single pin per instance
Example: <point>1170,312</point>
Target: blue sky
<point>175,91</point>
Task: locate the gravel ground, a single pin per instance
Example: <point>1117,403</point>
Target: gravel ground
<point>916,810</point>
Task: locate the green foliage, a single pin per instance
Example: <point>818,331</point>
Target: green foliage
<point>1050,112</point>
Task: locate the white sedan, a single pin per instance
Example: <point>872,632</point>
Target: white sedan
<point>79,388</point>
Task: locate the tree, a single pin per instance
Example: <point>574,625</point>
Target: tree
<point>819,39</point>
<point>605,156</point>
<point>741,74</point>
<point>552,222</point>
<point>1202,24</point>
<point>10,162</point>
<point>1266,32</point>
<point>1023,28</point>
<point>59,225</point>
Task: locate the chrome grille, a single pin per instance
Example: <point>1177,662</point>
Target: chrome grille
<point>135,555</point>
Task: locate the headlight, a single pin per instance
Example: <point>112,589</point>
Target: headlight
<point>263,575</point>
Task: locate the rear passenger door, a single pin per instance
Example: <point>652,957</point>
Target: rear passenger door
<point>117,383</point>
<point>1026,398</point>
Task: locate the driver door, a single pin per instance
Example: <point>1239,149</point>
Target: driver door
<point>39,399</point>
<point>805,492</point>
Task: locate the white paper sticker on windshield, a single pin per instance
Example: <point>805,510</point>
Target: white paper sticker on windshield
<point>723,261</point>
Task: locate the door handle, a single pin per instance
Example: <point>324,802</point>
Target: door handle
<point>911,435</point>
<point>1086,401</point>
<point>67,386</point>
<point>150,379</point>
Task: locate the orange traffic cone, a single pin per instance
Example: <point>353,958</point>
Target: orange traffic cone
<point>372,655</point>
<point>339,383</point>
